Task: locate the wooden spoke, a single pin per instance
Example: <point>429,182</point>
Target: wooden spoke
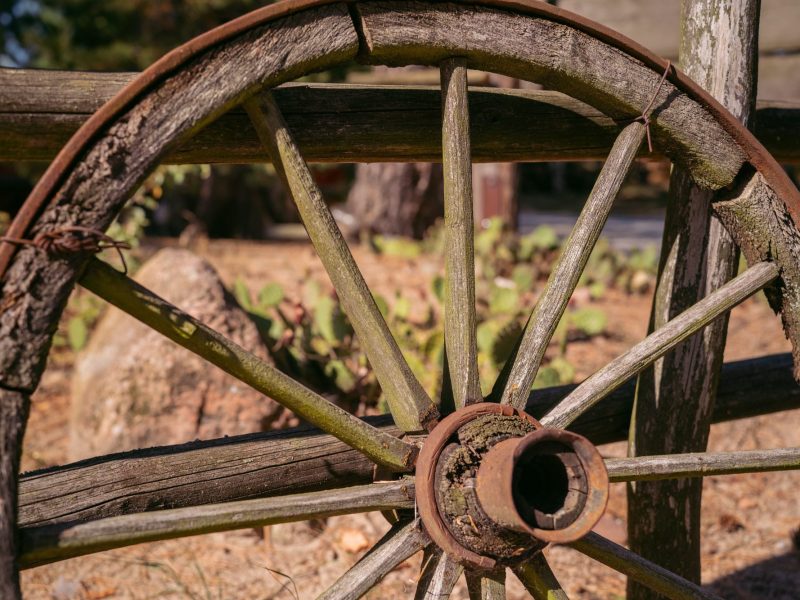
<point>402,541</point>
<point>486,585</point>
<point>702,464</point>
<point>459,296</point>
<point>439,575</point>
<point>640,569</point>
<point>167,319</point>
<point>410,406</point>
<point>49,543</point>
<point>659,342</point>
<point>539,580</point>
<point>550,307</point>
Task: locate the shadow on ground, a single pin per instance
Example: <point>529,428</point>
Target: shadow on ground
<point>777,578</point>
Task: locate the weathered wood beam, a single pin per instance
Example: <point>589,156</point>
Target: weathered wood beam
<point>300,460</point>
<point>756,218</point>
<point>14,406</point>
<point>719,50</point>
<point>40,110</point>
<point>50,543</point>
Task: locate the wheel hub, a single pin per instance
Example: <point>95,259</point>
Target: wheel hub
<point>494,486</point>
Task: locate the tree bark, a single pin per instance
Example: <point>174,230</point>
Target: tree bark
<point>14,407</point>
<point>395,199</point>
<point>675,398</point>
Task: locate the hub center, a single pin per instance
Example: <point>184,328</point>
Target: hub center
<point>493,486</point>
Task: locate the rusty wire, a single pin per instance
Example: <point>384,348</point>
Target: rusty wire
<point>648,110</point>
<point>73,239</point>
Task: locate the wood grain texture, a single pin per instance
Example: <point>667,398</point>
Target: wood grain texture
<point>35,288</point>
<point>645,572</point>
<point>553,300</point>
<point>409,404</point>
<point>402,541</point>
<point>275,463</point>
<point>488,585</point>
<point>460,322</point>
<point>719,49</point>
<point>304,459</point>
<point>142,304</point>
<point>702,464</point>
<point>761,226</point>
<point>539,579</point>
<point>40,110</point>
<point>655,345</point>
<point>438,576</point>
<point>14,407</point>
<point>50,543</point>
<point>566,60</point>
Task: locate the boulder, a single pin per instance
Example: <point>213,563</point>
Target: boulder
<point>134,388</point>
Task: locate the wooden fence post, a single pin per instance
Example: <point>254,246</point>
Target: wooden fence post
<point>14,407</point>
<point>719,50</point>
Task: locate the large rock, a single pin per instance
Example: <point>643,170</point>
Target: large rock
<point>134,388</point>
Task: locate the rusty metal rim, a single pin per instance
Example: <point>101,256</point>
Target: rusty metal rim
<point>758,156</point>
<point>426,474</point>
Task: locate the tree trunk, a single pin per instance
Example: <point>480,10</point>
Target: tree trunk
<point>13,416</point>
<point>495,189</point>
<point>675,398</point>
<point>395,199</point>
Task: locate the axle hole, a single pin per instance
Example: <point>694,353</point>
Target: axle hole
<point>542,485</point>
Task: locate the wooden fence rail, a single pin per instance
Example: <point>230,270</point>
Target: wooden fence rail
<point>40,110</point>
<point>304,460</point>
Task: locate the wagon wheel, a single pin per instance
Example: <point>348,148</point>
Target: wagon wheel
<point>489,485</point>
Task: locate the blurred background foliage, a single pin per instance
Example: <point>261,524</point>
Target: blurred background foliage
<point>112,35</point>
<point>235,201</point>
<point>309,336</point>
<point>129,35</point>
<point>311,339</point>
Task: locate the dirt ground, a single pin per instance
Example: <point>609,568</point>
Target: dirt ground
<point>748,525</point>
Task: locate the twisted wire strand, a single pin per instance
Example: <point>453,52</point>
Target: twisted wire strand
<point>648,110</point>
<point>73,239</point>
